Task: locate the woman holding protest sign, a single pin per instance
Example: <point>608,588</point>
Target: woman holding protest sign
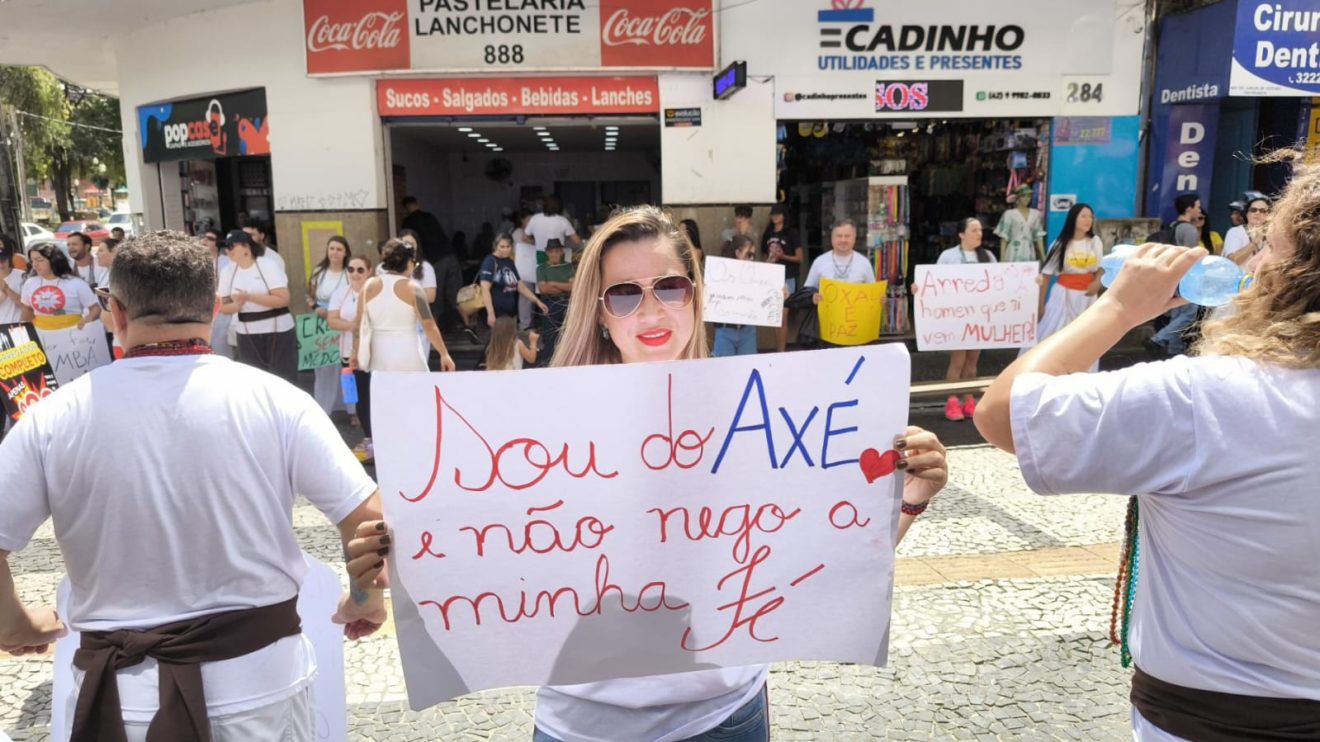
<point>1070,276</point>
<point>1218,592</point>
<point>328,278</point>
<point>637,299</point>
<point>962,363</point>
<point>256,289</point>
<point>342,317</point>
<point>54,290</point>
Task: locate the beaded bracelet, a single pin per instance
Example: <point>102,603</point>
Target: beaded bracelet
<point>915,510</point>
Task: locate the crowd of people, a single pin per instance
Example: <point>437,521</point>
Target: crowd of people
<point>1216,597</point>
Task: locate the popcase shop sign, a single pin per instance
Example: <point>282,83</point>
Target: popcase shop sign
<point>940,47</point>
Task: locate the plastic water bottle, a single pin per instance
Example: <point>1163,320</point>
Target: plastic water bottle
<point>1213,282</point>
<point>348,382</point>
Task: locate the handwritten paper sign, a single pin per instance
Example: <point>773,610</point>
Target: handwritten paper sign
<point>73,352</point>
<point>317,602</point>
<point>318,345</point>
<point>25,374</point>
<point>743,292</point>
<point>980,305</point>
<point>699,514</point>
<point>850,313</point>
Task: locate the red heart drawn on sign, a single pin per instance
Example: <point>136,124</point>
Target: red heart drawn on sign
<point>875,464</point>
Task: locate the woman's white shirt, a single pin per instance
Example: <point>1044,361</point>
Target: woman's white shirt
<point>263,276</point>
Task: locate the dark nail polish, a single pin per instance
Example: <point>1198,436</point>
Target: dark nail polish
<point>379,565</point>
<point>380,526</point>
<point>385,540</point>
<point>383,552</point>
<point>903,464</point>
<point>900,444</point>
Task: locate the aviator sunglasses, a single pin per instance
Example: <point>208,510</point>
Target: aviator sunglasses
<point>624,299</point>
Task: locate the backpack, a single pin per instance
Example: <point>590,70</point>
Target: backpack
<point>1165,235</point>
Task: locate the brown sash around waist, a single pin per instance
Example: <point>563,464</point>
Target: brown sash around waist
<point>1212,716</point>
<point>179,648</point>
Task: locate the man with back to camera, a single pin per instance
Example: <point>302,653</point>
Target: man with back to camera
<point>177,530</point>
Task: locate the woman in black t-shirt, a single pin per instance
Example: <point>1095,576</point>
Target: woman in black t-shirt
<point>500,283</point>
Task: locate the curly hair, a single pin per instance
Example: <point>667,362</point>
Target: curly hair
<point>1277,320</point>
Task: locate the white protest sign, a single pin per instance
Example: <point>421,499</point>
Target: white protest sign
<point>73,352</point>
<point>743,292</point>
<point>684,516</point>
<point>317,602</point>
<point>976,306</point>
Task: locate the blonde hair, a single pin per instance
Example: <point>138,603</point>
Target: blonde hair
<point>1277,320</point>
<point>503,344</point>
<point>581,342</point>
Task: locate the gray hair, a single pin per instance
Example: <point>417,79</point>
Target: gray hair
<point>164,278</point>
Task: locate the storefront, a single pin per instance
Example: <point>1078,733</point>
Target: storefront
<point>1215,113</point>
<point>210,158</point>
<point>910,119</point>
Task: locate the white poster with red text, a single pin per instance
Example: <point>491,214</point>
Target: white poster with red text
<point>680,516</point>
<point>532,36</point>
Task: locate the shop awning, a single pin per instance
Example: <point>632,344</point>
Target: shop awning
<point>28,27</point>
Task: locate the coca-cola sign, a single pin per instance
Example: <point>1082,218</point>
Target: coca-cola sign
<point>460,36</point>
<point>657,33</point>
<point>356,36</point>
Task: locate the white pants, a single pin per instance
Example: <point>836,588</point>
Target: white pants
<point>290,720</point>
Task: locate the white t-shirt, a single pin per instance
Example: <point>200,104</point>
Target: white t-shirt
<point>1081,256</point>
<point>58,296</point>
<point>662,708</point>
<point>96,276</point>
<point>345,301</point>
<point>262,277</point>
<point>1236,239</point>
<point>853,269</point>
<point>275,257</point>
<point>326,285</point>
<point>543,228</point>
<point>147,544</point>
<point>11,309</point>
<point>1220,451</point>
<point>958,256</point>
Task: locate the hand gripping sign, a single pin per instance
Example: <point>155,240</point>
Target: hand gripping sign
<point>676,517</point>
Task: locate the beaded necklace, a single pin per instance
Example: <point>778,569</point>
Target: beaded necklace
<point>1125,588</point>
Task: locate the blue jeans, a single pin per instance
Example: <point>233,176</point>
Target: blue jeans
<point>735,341</point>
<point>1171,337</point>
<point>750,723</point>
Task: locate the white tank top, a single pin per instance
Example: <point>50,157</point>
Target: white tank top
<point>394,342</point>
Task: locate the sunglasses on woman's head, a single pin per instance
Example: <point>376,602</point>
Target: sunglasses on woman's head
<point>624,299</point>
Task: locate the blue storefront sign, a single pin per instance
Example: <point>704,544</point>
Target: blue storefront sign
<point>1276,48</point>
<point>1182,155</point>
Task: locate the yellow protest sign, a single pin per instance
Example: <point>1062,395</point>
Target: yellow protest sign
<point>850,313</point>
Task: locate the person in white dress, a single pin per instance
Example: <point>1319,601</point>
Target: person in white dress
<point>1218,595</point>
<point>525,259</point>
<point>1070,276</point>
<point>423,274</point>
<point>391,305</point>
<point>342,317</point>
<point>327,279</point>
<point>962,363</point>
<point>220,329</point>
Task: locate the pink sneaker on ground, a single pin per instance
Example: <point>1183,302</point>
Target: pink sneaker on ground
<point>969,407</point>
<point>953,410</point>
